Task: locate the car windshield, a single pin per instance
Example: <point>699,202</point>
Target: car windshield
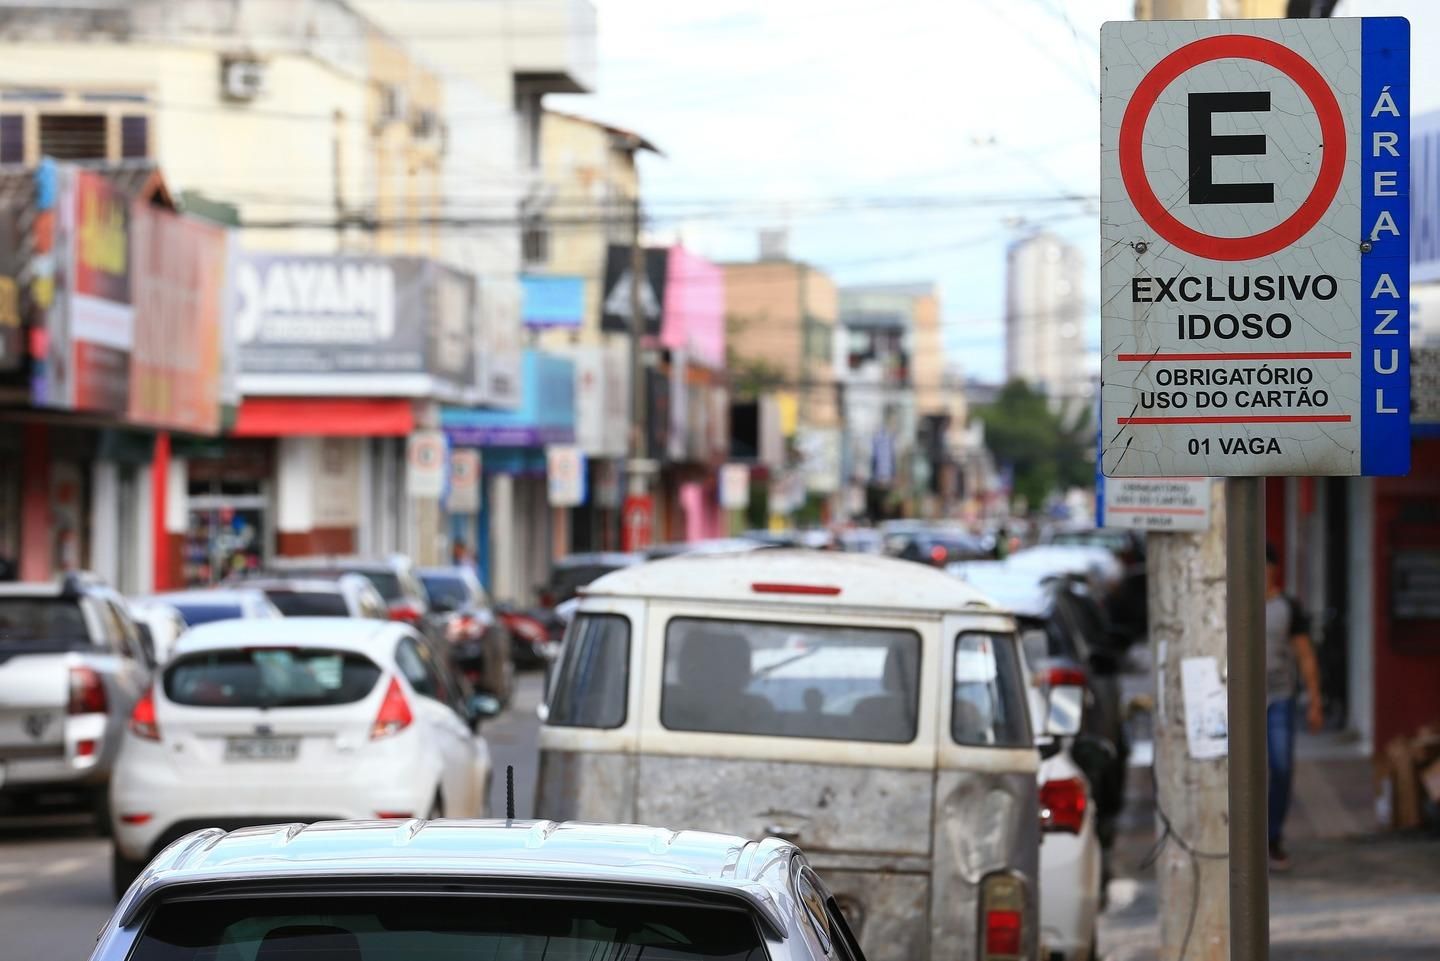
<point>309,603</point>
<point>53,619</point>
<point>447,591</point>
<point>791,680</point>
<point>196,614</point>
<point>270,677</point>
<point>444,928</point>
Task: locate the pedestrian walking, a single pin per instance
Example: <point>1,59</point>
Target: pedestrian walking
<point>1288,651</point>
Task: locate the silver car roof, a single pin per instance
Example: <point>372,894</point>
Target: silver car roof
<point>486,850</point>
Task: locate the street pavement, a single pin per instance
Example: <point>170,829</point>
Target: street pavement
<point>55,871</point>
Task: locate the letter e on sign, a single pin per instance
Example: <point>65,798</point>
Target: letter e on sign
<point>1254,233</point>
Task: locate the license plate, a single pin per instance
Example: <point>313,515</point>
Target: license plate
<point>261,748</point>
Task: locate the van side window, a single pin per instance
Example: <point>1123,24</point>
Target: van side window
<point>990,708</point>
<point>593,680</point>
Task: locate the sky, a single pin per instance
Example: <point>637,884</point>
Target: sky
<point>911,140</point>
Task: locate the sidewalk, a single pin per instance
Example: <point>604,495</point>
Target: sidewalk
<point>1352,895</point>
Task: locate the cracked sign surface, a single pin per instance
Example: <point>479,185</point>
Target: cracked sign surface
<point>1254,247</point>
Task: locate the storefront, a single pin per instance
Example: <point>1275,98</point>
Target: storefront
<point>515,531</point>
<point>342,361</point>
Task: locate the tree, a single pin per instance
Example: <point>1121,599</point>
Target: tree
<point>1046,454</point>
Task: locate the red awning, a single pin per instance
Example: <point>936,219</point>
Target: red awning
<point>324,417</point>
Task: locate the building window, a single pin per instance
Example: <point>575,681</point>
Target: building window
<point>74,136</point>
<point>134,137</point>
<point>12,138</point>
<point>535,243</point>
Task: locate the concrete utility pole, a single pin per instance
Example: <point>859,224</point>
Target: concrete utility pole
<point>1186,576</point>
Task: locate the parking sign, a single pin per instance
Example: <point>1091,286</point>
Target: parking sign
<point>1254,256</point>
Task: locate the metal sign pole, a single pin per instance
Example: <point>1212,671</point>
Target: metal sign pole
<point>1245,624</point>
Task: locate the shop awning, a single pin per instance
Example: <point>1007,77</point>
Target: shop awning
<point>324,417</point>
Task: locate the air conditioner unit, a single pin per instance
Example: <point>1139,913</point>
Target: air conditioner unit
<point>242,79</point>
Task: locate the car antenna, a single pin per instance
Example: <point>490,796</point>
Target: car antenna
<point>509,792</point>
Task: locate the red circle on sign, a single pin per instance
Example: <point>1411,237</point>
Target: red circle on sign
<point>1332,136</point>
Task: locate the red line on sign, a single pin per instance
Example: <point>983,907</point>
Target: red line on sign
<point>1242,419</point>
<point>1187,511</point>
<point>1254,355</point>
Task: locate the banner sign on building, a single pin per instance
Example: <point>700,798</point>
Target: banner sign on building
<point>1255,237</point>
<point>179,284</point>
<point>427,464</point>
<point>565,475</point>
<point>304,323</point>
<point>99,311</point>
<point>552,301</point>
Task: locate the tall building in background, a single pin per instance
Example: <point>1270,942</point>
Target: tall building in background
<point>1045,319</point>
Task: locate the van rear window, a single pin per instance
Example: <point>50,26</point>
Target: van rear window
<point>990,708</point>
<point>791,680</point>
<point>592,682</point>
<point>270,677</point>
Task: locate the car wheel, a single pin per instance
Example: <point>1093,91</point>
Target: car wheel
<point>100,810</point>
<point>123,872</point>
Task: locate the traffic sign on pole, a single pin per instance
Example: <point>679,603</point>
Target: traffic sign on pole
<point>1254,247</point>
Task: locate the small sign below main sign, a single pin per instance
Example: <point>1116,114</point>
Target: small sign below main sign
<point>1153,503</point>
<point>1255,247</point>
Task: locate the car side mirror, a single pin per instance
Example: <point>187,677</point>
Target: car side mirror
<point>481,707</point>
<point>1063,706</point>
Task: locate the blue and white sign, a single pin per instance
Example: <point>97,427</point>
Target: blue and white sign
<point>1425,198</point>
<point>552,300</point>
<point>1255,247</point>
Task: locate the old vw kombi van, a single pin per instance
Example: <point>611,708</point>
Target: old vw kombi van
<point>870,710</point>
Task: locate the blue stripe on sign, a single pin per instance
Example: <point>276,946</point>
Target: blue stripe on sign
<point>1099,473</point>
<point>1385,270</point>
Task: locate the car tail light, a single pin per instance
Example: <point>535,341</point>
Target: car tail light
<point>1062,805</point>
<point>85,748</point>
<point>1002,918</point>
<point>394,815</point>
<point>87,692</point>
<point>142,718</point>
<point>394,715</point>
<point>408,613</point>
<point>1065,677</point>
<point>136,818</point>
<point>938,554</point>
<point>818,590</point>
<point>463,627</point>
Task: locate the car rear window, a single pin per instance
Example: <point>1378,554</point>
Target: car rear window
<point>270,677</point>
<point>444,928</point>
<point>593,680</point>
<point>55,620</point>
<point>791,680</point>
<point>446,590</point>
<point>385,582</point>
<point>989,708</point>
<point>309,603</point>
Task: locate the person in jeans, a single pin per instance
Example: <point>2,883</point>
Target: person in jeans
<point>1287,648</point>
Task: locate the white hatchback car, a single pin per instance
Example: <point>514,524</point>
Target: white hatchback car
<point>261,721</point>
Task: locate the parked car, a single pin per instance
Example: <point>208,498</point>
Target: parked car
<point>1128,604</point>
<point>295,719</point>
<point>935,547</point>
<point>862,540</point>
<point>480,643</point>
<point>160,626</point>
<point>488,889</point>
<point>1061,629</point>
<point>869,710</point>
<point>569,574</point>
<point>394,577</point>
<point>219,604</point>
<point>716,545</point>
<point>1071,856</point>
<point>72,665</point>
<point>349,595</point>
